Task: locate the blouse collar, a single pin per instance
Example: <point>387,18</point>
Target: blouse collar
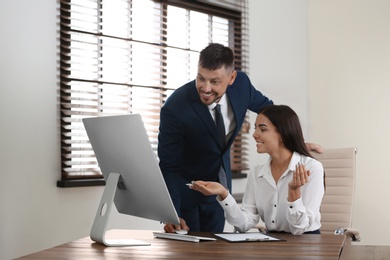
<point>266,170</point>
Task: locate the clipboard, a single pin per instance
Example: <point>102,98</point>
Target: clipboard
<point>248,237</point>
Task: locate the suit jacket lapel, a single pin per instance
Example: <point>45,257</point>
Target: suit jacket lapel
<point>234,102</point>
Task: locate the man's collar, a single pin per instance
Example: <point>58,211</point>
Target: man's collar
<point>221,102</point>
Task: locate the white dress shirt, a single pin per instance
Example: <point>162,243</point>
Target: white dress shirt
<point>267,200</point>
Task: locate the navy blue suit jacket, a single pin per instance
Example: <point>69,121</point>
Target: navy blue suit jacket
<point>188,146</point>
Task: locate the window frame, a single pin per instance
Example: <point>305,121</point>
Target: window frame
<point>237,41</point>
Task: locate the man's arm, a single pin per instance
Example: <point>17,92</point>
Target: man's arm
<point>170,147</point>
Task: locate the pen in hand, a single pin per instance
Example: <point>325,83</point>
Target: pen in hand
<point>190,184</point>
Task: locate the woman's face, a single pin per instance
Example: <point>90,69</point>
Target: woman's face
<point>266,135</point>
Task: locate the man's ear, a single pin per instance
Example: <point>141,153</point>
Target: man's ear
<point>233,77</point>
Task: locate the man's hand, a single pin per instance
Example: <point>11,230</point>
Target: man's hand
<point>170,228</point>
<point>314,147</point>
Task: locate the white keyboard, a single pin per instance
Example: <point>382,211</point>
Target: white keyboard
<point>175,236</point>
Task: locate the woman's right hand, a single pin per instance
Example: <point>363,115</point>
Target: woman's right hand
<point>210,188</point>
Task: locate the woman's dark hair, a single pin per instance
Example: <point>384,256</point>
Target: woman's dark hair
<point>216,56</point>
<point>288,125</point>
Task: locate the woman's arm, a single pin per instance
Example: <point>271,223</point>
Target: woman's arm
<point>243,218</point>
<point>305,195</point>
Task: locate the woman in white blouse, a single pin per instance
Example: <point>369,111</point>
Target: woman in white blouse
<point>287,191</point>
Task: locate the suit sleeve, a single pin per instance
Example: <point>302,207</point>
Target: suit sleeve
<point>170,151</point>
<point>257,99</point>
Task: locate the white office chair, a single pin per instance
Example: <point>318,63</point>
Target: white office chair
<point>337,204</point>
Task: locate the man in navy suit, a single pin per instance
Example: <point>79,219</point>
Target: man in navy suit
<point>189,146</point>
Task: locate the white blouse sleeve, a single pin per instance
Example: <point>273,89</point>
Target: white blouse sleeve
<point>302,213</point>
<point>246,217</point>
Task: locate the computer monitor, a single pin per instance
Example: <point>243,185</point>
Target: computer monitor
<point>134,182</point>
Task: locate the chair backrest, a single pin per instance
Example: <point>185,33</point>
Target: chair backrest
<point>340,173</point>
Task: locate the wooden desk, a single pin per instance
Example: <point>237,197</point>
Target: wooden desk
<point>323,246</point>
<point>353,250</point>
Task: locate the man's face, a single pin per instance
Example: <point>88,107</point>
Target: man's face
<point>212,84</point>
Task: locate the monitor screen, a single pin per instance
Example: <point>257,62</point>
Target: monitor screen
<point>122,146</point>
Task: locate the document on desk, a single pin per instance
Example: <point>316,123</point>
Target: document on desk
<point>247,237</point>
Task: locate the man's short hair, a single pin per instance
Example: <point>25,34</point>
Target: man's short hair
<point>216,56</point>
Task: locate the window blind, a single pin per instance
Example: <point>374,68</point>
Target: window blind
<point>127,56</point>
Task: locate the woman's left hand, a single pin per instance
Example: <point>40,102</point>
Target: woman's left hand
<point>300,177</point>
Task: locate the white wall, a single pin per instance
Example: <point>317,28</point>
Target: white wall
<point>349,61</point>
<point>278,63</point>
<point>278,58</point>
<point>287,58</point>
